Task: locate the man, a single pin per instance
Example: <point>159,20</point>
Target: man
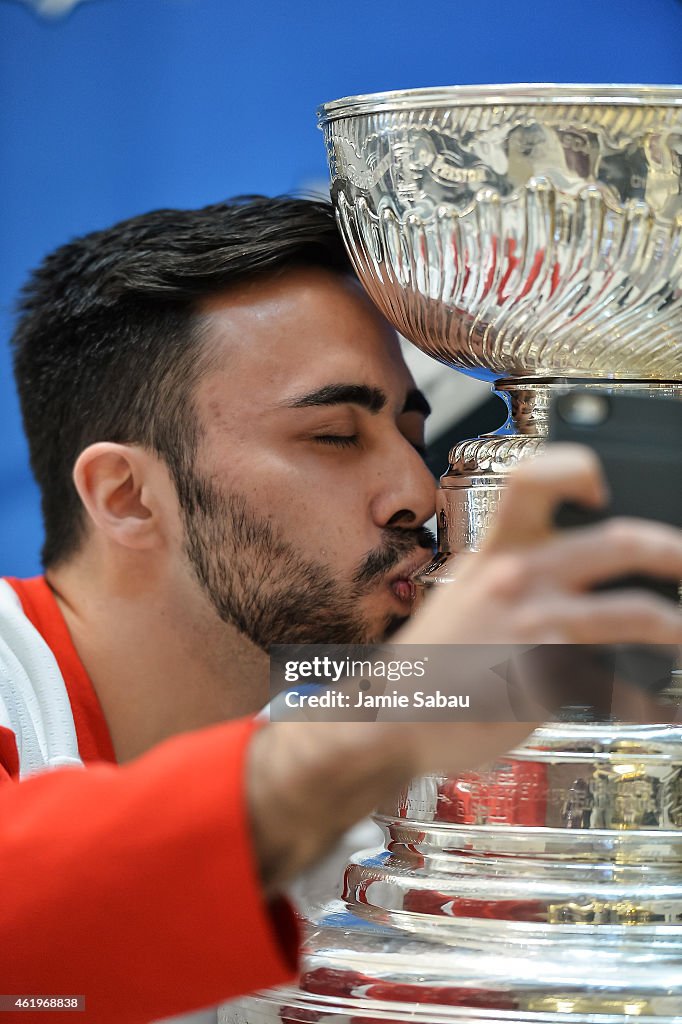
<point>228,446</point>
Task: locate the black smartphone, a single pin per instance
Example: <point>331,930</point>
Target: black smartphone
<point>638,439</point>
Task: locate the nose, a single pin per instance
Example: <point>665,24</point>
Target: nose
<point>405,495</point>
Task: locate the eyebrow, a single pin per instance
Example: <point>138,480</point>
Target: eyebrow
<point>372,399</point>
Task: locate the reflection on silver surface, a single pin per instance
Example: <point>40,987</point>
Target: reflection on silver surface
<point>523,230</point>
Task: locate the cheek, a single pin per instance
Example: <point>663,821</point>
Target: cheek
<point>327,526</point>
<point>291,491</point>
<point>317,503</point>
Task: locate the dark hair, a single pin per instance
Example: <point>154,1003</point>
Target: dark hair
<point>105,348</point>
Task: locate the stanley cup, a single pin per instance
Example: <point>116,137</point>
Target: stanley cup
<point>532,235</point>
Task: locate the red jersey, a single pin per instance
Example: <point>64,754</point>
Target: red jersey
<point>136,885</point>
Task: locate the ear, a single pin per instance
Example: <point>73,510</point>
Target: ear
<point>118,485</point>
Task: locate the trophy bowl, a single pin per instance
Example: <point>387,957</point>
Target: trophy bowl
<point>519,230</point>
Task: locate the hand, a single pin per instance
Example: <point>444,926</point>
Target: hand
<point>533,584</point>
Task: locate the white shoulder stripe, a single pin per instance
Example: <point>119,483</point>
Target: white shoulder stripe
<point>34,702</point>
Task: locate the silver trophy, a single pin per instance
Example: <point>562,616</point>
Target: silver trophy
<point>532,235</point>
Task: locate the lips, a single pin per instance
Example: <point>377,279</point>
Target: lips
<point>404,590</point>
<point>400,581</point>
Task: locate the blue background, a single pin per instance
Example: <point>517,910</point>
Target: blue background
<point>126,105</point>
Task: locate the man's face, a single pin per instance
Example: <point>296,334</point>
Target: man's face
<point>309,492</point>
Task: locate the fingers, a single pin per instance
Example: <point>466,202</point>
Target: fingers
<point>580,559</point>
<point>532,584</point>
<point>537,487</point>
<point>627,616</point>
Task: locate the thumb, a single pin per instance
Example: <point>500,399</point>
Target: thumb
<point>537,487</point>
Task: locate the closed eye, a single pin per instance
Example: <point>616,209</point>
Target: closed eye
<point>353,441</point>
<point>340,440</point>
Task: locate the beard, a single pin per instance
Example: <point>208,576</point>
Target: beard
<point>260,582</point>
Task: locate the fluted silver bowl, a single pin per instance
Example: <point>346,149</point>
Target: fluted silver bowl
<point>530,230</point>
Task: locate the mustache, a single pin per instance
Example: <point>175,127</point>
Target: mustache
<point>398,545</point>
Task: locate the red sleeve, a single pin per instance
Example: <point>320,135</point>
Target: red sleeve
<point>136,886</point>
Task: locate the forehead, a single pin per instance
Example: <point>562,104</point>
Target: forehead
<point>284,335</point>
